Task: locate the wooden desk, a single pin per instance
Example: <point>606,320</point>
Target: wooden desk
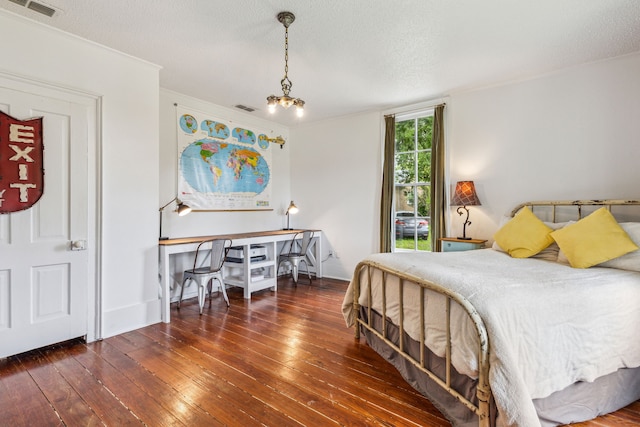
<point>236,274</point>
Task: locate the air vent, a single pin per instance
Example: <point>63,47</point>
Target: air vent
<point>36,7</point>
<point>40,8</point>
<point>245,108</point>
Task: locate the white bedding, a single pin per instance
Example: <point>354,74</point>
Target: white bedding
<point>549,325</point>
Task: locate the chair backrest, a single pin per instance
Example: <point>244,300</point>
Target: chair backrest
<point>301,239</point>
<point>218,252</point>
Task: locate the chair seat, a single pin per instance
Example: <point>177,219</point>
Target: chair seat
<point>201,270</point>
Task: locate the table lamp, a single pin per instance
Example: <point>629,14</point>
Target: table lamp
<point>291,210</point>
<point>182,209</point>
<point>463,196</point>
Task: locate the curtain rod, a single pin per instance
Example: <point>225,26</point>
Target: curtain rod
<point>415,110</point>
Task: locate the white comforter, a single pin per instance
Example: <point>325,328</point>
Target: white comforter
<point>549,325</point>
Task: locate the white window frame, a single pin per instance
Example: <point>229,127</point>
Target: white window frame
<point>415,115</point>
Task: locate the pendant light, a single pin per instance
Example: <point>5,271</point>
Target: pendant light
<point>285,18</point>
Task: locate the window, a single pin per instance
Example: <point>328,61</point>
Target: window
<point>412,182</point>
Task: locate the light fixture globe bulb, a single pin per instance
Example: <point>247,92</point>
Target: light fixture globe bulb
<point>286,102</point>
<point>272,102</point>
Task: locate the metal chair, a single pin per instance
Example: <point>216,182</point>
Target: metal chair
<point>203,276</point>
<point>295,253</point>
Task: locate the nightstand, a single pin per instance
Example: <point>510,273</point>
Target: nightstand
<point>452,244</point>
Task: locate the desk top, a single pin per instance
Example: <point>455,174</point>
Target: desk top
<point>236,236</point>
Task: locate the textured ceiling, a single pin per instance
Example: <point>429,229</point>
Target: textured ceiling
<point>349,56</point>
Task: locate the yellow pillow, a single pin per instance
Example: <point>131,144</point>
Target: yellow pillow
<point>524,236</point>
<point>594,239</point>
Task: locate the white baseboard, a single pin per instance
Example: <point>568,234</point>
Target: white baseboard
<point>129,318</point>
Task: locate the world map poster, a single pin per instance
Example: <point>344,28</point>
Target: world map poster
<point>222,166</point>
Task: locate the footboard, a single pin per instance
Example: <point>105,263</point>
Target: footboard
<point>483,391</point>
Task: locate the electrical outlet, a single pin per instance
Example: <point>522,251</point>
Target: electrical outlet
<point>331,254</point>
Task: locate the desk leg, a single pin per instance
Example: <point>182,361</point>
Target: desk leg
<point>272,254</point>
<point>319,257</point>
<point>315,256</point>
<point>247,271</point>
<point>164,285</point>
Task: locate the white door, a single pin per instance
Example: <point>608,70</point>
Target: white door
<point>43,283</point>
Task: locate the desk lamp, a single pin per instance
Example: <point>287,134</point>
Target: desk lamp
<point>181,208</point>
<point>465,195</point>
<point>292,209</point>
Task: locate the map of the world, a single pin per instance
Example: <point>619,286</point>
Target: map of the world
<point>211,166</point>
<point>222,167</point>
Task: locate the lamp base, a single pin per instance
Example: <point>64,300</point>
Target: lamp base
<point>163,238</point>
<point>287,228</point>
<point>464,238</point>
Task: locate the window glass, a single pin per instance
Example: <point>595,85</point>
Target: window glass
<point>424,166</point>
<point>412,195</point>
<point>405,136</point>
<point>405,168</point>
<point>425,132</point>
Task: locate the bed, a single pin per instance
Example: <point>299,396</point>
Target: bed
<point>497,340</point>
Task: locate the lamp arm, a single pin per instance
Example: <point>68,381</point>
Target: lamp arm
<point>162,208</point>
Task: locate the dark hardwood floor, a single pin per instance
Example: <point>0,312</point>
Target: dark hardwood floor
<point>281,359</point>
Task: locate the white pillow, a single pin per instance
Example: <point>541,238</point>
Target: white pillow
<point>630,261</point>
<point>503,221</point>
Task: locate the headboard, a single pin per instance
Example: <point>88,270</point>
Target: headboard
<point>565,210</point>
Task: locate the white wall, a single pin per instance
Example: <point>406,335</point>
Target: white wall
<point>567,135</point>
<point>335,181</point>
<point>128,90</point>
<point>574,134</point>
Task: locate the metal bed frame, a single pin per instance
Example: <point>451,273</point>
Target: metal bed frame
<point>483,389</point>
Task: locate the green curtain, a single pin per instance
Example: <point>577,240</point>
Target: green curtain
<point>386,203</point>
<point>438,187</point>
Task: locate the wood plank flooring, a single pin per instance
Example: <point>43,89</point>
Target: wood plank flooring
<point>281,359</point>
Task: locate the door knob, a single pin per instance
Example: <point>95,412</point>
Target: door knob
<point>78,245</point>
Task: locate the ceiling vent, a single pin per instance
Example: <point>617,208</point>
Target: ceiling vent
<point>245,108</point>
<point>36,7</point>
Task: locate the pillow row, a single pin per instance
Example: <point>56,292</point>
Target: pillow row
<point>593,240</point>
